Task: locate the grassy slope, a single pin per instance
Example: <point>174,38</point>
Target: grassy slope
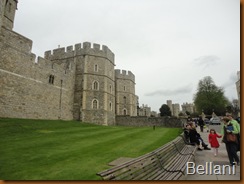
<point>70,150</point>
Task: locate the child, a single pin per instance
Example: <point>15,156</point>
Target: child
<point>212,138</point>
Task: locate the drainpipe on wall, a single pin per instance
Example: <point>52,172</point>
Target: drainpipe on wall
<point>60,100</point>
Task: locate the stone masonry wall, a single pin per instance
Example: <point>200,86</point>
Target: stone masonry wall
<point>126,100</point>
<point>8,11</point>
<point>25,89</point>
<point>60,85</point>
<point>94,63</point>
<point>142,121</point>
<point>2,3</point>
<point>104,78</point>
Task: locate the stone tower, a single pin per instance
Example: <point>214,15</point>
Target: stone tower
<point>169,103</point>
<point>94,95</point>
<point>126,100</point>
<point>7,10</point>
<point>94,83</point>
<point>26,89</point>
<point>176,109</point>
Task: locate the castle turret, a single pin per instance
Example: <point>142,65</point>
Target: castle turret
<point>7,10</point>
<point>169,103</point>
<point>1,13</point>
<point>126,100</point>
<point>94,93</point>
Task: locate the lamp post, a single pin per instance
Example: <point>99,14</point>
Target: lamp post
<point>203,115</point>
<point>213,113</point>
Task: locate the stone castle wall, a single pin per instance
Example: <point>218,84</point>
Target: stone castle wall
<point>7,13</point>
<point>126,99</point>
<point>65,84</point>
<point>143,121</point>
<point>25,88</point>
<point>1,12</point>
<point>80,50</point>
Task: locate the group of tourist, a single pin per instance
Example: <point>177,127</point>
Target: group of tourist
<point>194,137</point>
<point>230,134</point>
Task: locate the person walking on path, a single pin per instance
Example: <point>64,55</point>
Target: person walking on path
<point>237,125</point>
<point>231,146</point>
<point>234,122</point>
<point>212,139</point>
<point>201,124</point>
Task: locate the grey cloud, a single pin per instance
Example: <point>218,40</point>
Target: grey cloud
<point>206,61</point>
<point>170,92</point>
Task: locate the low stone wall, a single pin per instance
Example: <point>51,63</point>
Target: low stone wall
<point>140,121</point>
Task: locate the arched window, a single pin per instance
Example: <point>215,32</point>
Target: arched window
<point>124,88</point>
<point>96,68</point>
<point>110,88</point>
<point>95,104</point>
<point>124,112</point>
<point>110,106</point>
<point>95,85</point>
<point>124,100</point>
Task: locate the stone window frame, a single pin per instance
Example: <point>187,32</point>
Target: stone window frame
<point>96,68</point>
<point>110,88</point>
<point>124,111</point>
<point>124,99</point>
<point>95,85</point>
<point>51,79</point>
<point>95,104</point>
<point>9,7</point>
<point>110,106</point>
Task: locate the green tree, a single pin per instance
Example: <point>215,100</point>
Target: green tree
<point>210,97</point>
<point>181,114</point>
<point>194,115</point>
<point>165,110</point>
<point>188,113</point>
<point>233,108</point>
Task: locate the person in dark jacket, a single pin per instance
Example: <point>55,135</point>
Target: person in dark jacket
<point>201,123</point>
<point>231,147</point>
<point>196,138</point>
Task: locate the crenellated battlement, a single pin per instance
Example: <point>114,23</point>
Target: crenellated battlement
<point>59,53</point>
<point>123,74</point>
<point>80,49</point>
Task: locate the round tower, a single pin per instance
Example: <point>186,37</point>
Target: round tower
<point>95,76</point>
<point>126,100</point>
<point>169,103</point>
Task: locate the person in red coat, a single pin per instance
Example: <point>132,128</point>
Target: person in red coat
<point>212,139</point>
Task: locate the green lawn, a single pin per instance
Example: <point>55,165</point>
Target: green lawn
<point>70,150</point>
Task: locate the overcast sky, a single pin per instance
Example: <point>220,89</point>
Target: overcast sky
<point>169,45</point>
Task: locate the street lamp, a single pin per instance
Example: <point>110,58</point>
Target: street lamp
<point>203,115</point>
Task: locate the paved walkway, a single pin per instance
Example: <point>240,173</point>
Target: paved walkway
<point>207,157</point>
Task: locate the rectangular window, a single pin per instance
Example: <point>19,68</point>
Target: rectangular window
<point>51,79</point>
<point>9,7</point>
<point>96,68</point>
